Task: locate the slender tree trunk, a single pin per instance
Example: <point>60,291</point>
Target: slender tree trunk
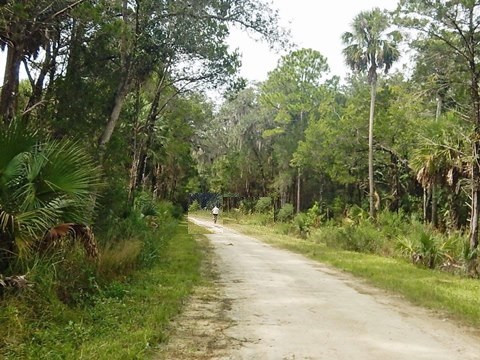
<point>475,152</point>
<point>371,184</point>
<point>474,205</point>
<point>135,151</point>
<point>124,83</point>
<point>8,97</point>
<point>299,179</point>
<point>438,113</point>
<point>120,94</point>
<point>425,205</point>
<point>38,90</point>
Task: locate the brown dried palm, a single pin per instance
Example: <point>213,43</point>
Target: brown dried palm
<point>58,235</point>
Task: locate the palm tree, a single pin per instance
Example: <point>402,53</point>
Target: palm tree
<point>42,184</point>
<point>370,47</point>
<point>440,162</point>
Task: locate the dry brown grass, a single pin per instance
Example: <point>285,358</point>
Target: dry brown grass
<point>119,258</point>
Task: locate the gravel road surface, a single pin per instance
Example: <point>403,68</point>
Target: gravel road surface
<point>284,306</point>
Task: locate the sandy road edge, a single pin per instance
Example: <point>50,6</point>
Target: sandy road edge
<point>199,331</point>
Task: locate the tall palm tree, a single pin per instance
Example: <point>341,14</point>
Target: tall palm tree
<point>369,47</point>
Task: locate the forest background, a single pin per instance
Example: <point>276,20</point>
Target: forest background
<point>112,132</point>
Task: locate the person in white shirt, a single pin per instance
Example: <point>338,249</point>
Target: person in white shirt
<point>215,212</point>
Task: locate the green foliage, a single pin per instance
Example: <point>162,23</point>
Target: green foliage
<point>247,206</point>
<point>35,324</point>
<point>305,222</point>
<point>428,248</point>
<point>263,205</point>
<point>356,214</point>
<point>369,45</point>
<point>194,206</point>
<point>362,238</point>
<point>43,183</point>
<point>286,213</point>
<point>301,224</point>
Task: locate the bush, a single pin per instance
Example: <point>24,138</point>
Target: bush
<point>264,205</point>
<point>247,206</point>
<point>286,213</point>
<point>361,238</point>
<point>194,206</point>
<point>145,204</point>
<point>328,234</point>
<point>428,248</point>
<point>394,224</point>
<point>301,224</point>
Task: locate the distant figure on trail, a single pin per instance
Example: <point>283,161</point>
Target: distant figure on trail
<point>215,212</point>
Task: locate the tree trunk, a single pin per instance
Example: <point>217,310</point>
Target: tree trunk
<point>434,206</point>
<point>438,113</point>
<point>7,244</point>
<point>38,85</point>
<point>135,151</point>
<point>475,164</point>
<point>8,98</point>
<point>120,94</point>
<point>123,86</point>
<point>371,184</point>
<point>426,200</point>
<point>474,204</point>
<point>298,190</point>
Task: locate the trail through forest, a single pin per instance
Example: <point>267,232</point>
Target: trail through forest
<point>283,306</point>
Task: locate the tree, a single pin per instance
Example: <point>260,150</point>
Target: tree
<point>293,92</point>
<point>433,68</point>
<point>232,153</point>
<point>370,47</point>
<point>456,24</point>
<point>26,27</point>
<point>180,37</point>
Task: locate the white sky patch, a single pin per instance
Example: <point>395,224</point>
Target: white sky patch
<point>316,24</point>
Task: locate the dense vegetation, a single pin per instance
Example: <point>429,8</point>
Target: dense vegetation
<point>402,141</point>
<point>110,132</point>
<point>96,162</point>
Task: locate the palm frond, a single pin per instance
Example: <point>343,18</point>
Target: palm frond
<point>56,235</point>
<point>368,46</point>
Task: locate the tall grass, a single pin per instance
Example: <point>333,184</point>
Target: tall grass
<point>391,235</point>
<point>118,307</point>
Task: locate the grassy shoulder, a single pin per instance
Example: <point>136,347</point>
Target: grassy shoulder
<point>126,319</point>
<point>450,295</point>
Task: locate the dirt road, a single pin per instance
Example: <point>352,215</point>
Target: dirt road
<point>284,306</point>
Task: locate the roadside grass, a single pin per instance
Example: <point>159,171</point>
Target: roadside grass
<point>194,229</point>
<point>450,295</point>
<point>208,307</point>
<point>124,319</point>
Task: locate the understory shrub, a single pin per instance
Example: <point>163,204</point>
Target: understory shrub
<point>428,248</point>
<point>49,318</point>
<point>305,222</point>
<point>263,205</point>
<point>247,206</point>
<point>362,238</point>
<point>286,213</point>
<point>194,206</point>
<point>301,225</point>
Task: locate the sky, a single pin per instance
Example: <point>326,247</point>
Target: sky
<point>316,24</point>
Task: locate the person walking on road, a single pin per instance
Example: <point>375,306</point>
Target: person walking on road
<point>215,212</point>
